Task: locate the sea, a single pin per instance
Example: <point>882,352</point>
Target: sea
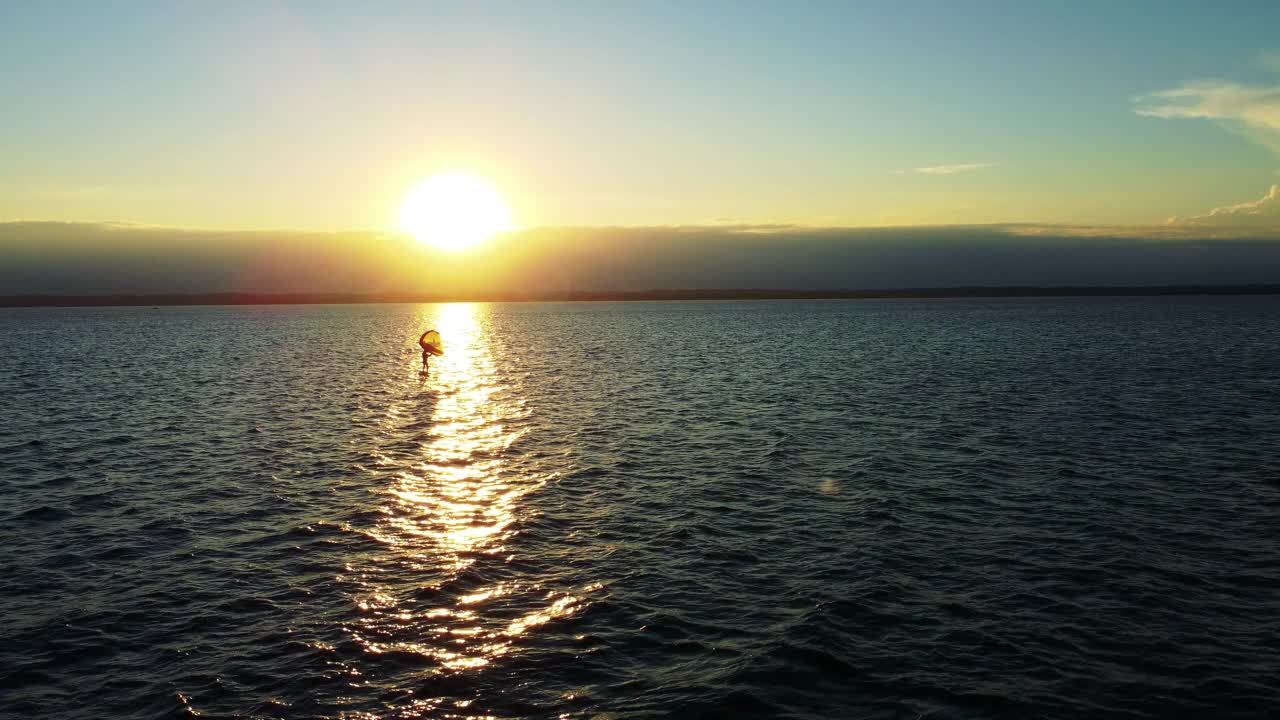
<point>946,508</point>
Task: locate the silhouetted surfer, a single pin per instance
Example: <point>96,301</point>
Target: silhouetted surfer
<point>431,345</point>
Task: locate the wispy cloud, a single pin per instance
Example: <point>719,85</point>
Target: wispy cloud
<point>1254,109</point>
<point>952,169</point>
<point>1251,110</point>
<point>1254,105</point>
<point>1262,214</point>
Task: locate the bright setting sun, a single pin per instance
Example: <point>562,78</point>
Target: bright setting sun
<point>454,211</point>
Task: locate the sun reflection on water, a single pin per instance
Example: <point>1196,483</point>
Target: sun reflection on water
<point>453,502</point>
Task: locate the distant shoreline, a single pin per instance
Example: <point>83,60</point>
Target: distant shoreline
<point>172,299</point>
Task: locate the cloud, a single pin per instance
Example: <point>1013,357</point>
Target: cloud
<point>952,169</point>
<point>1253,105</point>
<point>1253,108</point>
<point>86,258</point>
<point>1262,214</point>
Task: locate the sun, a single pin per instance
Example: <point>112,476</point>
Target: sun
<point>454,211</point>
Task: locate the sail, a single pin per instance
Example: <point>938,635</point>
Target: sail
<point>431,342</point>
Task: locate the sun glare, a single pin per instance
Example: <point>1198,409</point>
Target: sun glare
<point>454,211</point>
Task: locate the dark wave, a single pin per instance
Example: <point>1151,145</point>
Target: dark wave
<point>882,509</point>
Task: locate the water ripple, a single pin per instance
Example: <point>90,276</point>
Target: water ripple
<point>921,509</point>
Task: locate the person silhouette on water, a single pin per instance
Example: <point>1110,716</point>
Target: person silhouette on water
<point>431,345</point>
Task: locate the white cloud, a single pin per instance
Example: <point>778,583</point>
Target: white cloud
<point>952,169</point>
<point>1263,214</point>
<point>1250,104</point>
<point>1252,108</point>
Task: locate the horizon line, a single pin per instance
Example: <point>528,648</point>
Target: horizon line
<point>31,300</point>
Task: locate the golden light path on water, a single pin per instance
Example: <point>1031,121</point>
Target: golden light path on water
<point>453,498</point>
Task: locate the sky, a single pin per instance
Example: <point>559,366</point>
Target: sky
<point>318,117</point>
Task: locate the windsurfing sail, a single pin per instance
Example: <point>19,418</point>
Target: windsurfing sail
<point>431,342</point>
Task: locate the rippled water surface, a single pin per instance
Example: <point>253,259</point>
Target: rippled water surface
<point>838,509</point>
